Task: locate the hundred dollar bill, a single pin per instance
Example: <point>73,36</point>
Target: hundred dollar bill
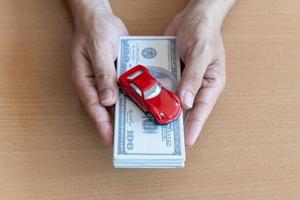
<point>138,141</point>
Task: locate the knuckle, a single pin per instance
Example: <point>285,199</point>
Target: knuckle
<point>101,74</point>
<point>104,78</point>
<point>91,104</point>
<point>221,81</point>
<point>203,103</point>
<point>216,77</point>
<point>194,76</point>
<point>223,84</point>
<point>192,81</point>
<point>102,53</point>
<point>224,80</point>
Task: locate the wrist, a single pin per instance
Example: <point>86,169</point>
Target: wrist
<point>84,10</point>
<point>213,12</point>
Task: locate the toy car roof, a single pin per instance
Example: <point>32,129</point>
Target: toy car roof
<point>141,77</point>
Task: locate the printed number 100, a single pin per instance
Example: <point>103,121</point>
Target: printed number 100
<point>129,139</point>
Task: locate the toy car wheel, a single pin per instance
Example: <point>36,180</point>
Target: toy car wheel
<point>150,116</point>
<point>122,91</point>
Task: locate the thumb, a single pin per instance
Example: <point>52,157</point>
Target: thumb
<point>105,76</point>
<point>196,62</point>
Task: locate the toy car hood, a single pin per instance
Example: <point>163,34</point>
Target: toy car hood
<point>165,101</point>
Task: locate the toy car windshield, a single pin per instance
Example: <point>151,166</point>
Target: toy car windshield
<point>135,74</point>
<point>152,92</point>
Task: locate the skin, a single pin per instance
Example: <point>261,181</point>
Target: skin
<point>95,47</point>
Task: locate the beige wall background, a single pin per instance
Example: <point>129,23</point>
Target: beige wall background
<point>249,148</point>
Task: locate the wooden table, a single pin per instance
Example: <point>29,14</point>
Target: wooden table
<point>249,148</point>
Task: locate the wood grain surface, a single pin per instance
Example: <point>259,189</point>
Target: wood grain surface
<point>249,148</point>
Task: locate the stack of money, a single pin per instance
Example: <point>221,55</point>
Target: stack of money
<point>138,141</point>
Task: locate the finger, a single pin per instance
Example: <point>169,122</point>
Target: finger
<point>85,84</point>
<point>196,61</point>
<point>102,58</point>
<point>204,103</point>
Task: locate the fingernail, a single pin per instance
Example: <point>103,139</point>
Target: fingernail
<point>188,99</point>
<point>106,95</point>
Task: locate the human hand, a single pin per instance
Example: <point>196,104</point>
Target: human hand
<point>201,48</point>
<point>94,50</point>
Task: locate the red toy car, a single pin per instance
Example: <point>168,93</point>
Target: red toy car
<point>157,102</point>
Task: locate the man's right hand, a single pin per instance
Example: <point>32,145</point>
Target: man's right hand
<point>94,50</point>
